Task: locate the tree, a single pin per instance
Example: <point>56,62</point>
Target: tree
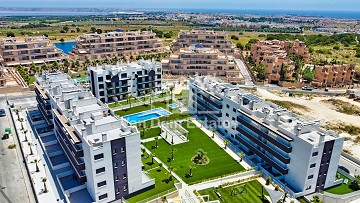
<point>239,45</point>
<point>17,113</point>
<point>200,153</point>
<point>62,40</point>
<point>241,155</point>
<point>268,180</point>
<point>92,29</point>
<point>171,88</point>
<point>163,199</point>
<point>128,99</point>
<point>191,167</point>
<point>171,169</point>
<point>36,161</point>
<point>226,143</point>
<point>156,141</point>
<point>55,65</point>
<point>284,69</point>
<point>25,132</point>
<point>308,74</point>
<point>152,157</point>
<point>44,181</point>
<point>316,199</point>
<point>77,29</point>
<point>172,150</point>
<point>260,71</point>
<point>99,31</point>
<point>202,123</point>
<point>66,63</point>
<point>66,28</point>
<point>355,183</point>
<point>213,131</point>
<point>21,120</point>
<point>10,34</point>
<point>143,94</point>
<point>30,146</point>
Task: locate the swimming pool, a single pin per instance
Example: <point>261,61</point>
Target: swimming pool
<point>173,105</point>
<point>146,115</point>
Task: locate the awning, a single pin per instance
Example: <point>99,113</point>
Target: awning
<point>275,196</point>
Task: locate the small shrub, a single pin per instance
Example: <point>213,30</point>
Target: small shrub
<point>268,180</point>
<point>277,188</point>
<point>12,146</point>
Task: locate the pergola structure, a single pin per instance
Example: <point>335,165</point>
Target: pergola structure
<point>174,133</point>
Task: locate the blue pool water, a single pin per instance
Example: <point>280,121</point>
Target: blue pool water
<point>173,106</point>
<point>146,115</point>
<point>65,46</point>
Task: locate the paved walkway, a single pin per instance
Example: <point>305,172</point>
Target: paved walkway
<point>244,71</point>
<point>140,102</point>
<point>52,195</point>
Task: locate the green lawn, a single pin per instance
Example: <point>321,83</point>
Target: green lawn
<point>342,188</point>
<point>251,194</point>
<point>152,132</point>
<point>220,162</point>
<point>120,103</point>
<point>154,122</point>
<point>161,176</point>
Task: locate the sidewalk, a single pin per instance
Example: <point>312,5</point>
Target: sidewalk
<point>220,142</point>
<point>37,177</point>
<point>140,103</point>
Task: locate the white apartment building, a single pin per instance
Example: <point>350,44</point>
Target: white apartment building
<point>111,83</point>
<point>102,148</point>
<point>295,152</point>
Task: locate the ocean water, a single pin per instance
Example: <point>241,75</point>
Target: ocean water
<point>316,13</point>
<point>65,46</point>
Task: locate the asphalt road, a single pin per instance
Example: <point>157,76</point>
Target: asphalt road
<point>14,182</point>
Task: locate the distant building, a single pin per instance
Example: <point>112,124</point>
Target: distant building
<point>117,43</point>
<point>208,38</point>
<point>103,149</point>
<point>25,51</point>
<point>334,75</point>
<point>274,55</point>
<point>202,61</point>
<point>295,152</point>
<point>111,83</point>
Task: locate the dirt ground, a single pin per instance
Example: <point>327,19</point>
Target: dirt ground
<point>325,112</point>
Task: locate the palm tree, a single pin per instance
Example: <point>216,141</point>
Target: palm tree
<point>316,199</point>
<point>115,59</point>
<point>66,65</point>
<point>55,66</point>
<point>213,131</point>
<point>200,153</point>
<point>173,150</point>
<point>171,169</point>
<point>191,167</point>
<point>241,155</point>
<point>43,67</point>
<point>152,157</point>
<point>226,142</point>
<point>142,93</point>
<point>156,141</point>
<point>202,123</point>
<point>30,146</point>
<point>36,161</point>
<point>44,181</point>
<point>25,131</point>
<point>148,91</point>
<point>171,88</point>
<point>21,120</point>
<point>106,61</point>
<point>128,99</point>
<point>17,113</point>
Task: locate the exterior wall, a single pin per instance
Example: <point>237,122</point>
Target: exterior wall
<point>118,43</point>
<point>133,159</point>
<point>118,157</point>
<point>333,75</point>
<point>29,50</point>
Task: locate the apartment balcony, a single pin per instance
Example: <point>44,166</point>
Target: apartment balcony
<point>256,130</point>
<point>204,97</point>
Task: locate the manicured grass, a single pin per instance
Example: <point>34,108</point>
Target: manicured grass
<point>154,122</point>
<point>342,188</point>
<point>252,193</point>
<point>152,132</point>
<point>120,103</point>
<point>220,162</point>
<point>161,176</point>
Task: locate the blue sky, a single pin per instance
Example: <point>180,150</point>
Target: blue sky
<point>353,5</point>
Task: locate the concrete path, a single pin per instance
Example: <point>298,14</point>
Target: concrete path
<point>244,71</point>
<point>15,184</point>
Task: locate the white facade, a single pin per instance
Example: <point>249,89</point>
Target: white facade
<point>111,83</point>
<point>295,151</point>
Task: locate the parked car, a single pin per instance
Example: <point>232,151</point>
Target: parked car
<point>2,112</point>
<point>344,169</point>
<point>292,87</point>
<point>308,88</point>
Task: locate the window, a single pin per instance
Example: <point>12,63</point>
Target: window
<point>312,165</point>
<point>233,118</point>
<point>99,156</point>
<point>116,178</point>
<point>123,163</point>
<point>234,110</point>
<point>226,131</point>
<point>100,170</point>
<point>310,176</point>
<point>104,196</point>
<point>227,115</point>
<point>117,191</point>
<point>101,86</point>
<point>308,188</point>
<point>125,188</point>
<point>101,79</point>
<point>100,184</point>
<point>114,151</point>
<point>115,165</point>
<point>122,150</point>
<point>124,176</point>
<point>315,154</point>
